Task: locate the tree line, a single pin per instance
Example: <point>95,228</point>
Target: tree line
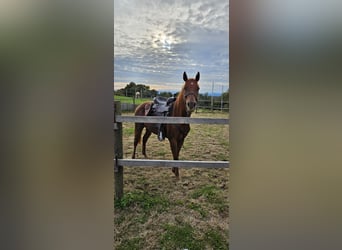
<point>132,88</point>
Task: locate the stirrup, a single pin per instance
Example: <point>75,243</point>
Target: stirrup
<point>160,136</point>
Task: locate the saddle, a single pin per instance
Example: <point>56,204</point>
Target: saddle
<point>161,106</point>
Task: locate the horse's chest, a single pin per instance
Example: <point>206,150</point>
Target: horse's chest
<point>180,129</point>
<point>184,129</point>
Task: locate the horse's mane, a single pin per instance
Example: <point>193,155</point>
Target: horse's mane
<point>179,104</point>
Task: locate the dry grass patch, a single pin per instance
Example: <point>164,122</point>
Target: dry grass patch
<point>157,209</point>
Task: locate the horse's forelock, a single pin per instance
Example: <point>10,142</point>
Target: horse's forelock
<point>191,85</point>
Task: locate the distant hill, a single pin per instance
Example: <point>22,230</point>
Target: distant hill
<point>215,94</point>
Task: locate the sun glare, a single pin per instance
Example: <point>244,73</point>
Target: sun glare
<point>160,40</point>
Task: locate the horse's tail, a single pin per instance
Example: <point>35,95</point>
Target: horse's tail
<point>143,109</point>
<point>139,111</point>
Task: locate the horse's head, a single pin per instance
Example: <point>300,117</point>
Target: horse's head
<point>190,91</point>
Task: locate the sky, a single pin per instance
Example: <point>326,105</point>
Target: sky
<point>155,41</point>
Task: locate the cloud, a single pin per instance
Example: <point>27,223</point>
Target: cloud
<point>155,41</point>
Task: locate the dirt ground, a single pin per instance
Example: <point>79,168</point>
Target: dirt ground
<point>160,212</point>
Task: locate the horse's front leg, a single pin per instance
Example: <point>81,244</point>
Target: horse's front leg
<point>175,153</point>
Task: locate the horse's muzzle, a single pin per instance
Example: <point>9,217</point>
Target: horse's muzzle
<point>190,106</point>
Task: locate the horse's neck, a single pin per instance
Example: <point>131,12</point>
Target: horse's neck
<point>179,108</point>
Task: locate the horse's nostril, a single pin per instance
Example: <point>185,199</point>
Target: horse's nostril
<point>191,105</point>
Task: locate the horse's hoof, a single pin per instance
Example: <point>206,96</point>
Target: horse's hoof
<point>176,172</point>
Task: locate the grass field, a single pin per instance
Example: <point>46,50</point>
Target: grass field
<point>125,99</point>
<point>159,212</point>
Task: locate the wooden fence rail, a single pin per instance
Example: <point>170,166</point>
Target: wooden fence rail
<point>118,147</point>
<point>171,163</point>
<point>171,120</point>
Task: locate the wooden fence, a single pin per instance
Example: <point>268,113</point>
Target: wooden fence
<point>209,105</point>
<point>119,162</point>
<point>202,104</point>
<point>128,106</point>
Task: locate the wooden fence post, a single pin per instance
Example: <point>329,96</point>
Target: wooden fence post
<point>118,152</point>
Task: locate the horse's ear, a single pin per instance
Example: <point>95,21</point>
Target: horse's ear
<point>185,77</point>
<point>197,76</point>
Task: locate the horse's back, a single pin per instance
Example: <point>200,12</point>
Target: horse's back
<point>143,108</point>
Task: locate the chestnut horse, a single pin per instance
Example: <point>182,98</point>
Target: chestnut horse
<point>183,106</point>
